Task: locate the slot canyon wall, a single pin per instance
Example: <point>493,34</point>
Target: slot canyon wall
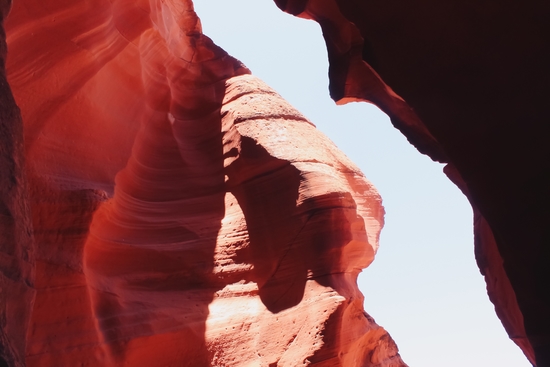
<point>474,75</point>
<point>161,206</point>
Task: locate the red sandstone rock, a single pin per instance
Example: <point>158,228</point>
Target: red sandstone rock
<point>16,242</point>
<point>184,214</point>
<point>476,75</point>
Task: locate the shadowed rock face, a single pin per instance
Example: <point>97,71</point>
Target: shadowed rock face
<point>476,75</point>
<point>16,240</point>
<point>172,210</point>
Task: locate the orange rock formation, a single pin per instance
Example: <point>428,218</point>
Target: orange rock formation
<point>168,208</point>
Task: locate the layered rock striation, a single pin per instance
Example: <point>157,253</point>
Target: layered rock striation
<point>160,206</point>
<point>166,207</point>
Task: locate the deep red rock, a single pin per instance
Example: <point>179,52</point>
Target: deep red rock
<point>181,212</point>
<point>112,89</point>
<point>476,75</point>
<point>16,240</point>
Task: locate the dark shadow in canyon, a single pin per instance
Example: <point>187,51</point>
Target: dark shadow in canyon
<point>289,243</point>
<point>268,201</point>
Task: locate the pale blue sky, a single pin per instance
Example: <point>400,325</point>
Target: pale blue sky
<point>424,286</point>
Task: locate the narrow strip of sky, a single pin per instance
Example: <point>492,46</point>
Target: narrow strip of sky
<point>423,286</point>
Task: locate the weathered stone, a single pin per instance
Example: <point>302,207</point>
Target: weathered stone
<point>184,214</point>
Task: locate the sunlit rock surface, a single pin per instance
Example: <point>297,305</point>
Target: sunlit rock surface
<point>173,209</point>
<point>474,75</point>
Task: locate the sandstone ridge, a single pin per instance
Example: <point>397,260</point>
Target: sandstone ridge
<point>163,207</point>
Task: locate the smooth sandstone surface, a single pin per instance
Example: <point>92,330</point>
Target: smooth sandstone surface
<point>109,91</point>
<point>172,210</point>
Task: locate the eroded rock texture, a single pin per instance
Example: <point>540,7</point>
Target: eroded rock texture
<point>177,212</point>
<point>476,75</point>
<point>16,242</point>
